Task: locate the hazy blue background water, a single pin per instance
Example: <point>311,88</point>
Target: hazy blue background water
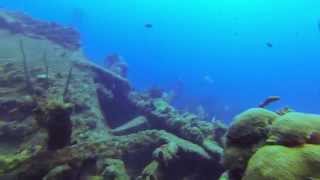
<point>214,50</point>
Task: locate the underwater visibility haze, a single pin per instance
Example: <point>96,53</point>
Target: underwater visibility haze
<point>227,55</point>
<point>166,90</point>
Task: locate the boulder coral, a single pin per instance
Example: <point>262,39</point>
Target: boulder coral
<point>246,134</point>
<point>294,129</point>
<point>250,127</point>
<point>278,162</point>
<point>262,145</point>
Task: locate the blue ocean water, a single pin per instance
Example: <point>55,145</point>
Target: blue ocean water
<point>225,55</point>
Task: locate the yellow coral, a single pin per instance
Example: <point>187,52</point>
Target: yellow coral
<point>247,133</point>
<point>294,128</point>
<point>250,127</point>
<point>284,163</point>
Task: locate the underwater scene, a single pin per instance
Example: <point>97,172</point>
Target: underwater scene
<point>159,90</point>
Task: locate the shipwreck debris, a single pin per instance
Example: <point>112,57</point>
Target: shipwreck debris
<point>29,85</point>
<point>66,87</point>
<point>55,118</point>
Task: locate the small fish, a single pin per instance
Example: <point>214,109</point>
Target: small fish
<point>13,111</point>
<point>78,16</point>
<point>213,119</point>
<point>208,79</point>
<point>284,111</point>
<point>148,25</point>
<point>318,25</point>
<point>269,100</point>
<point>269,44</point>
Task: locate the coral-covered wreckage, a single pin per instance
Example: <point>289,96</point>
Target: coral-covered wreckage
<point>65,118</point>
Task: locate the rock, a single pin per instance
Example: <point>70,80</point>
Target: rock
<point>279,162</point>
